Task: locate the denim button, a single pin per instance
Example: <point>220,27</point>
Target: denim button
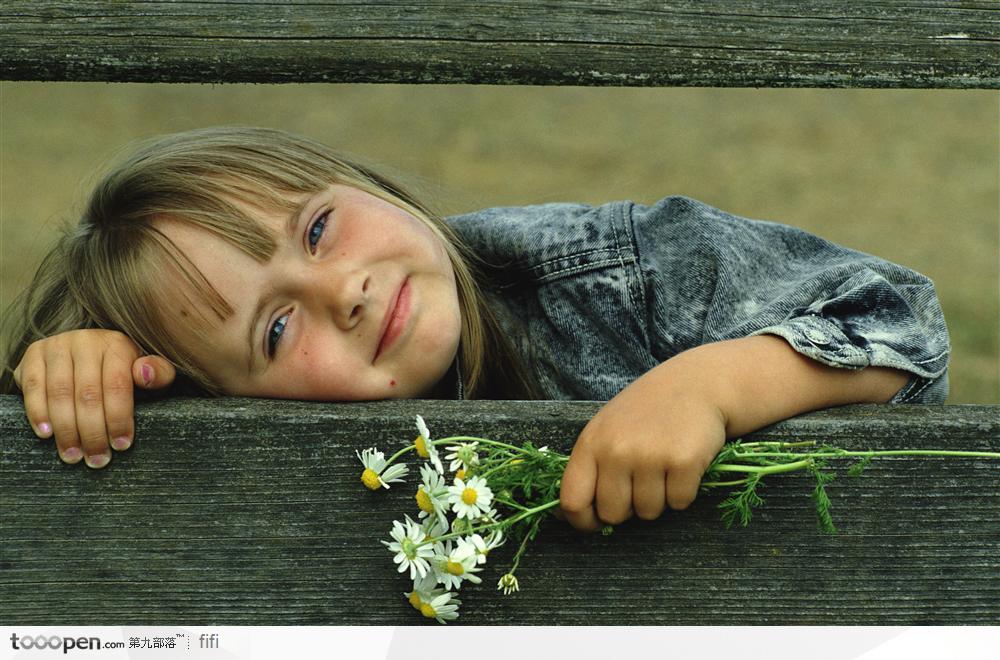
<point>817,337</point>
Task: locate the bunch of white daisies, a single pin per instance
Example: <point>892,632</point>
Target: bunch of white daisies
<point>457,524</point>
<point>441,554</point>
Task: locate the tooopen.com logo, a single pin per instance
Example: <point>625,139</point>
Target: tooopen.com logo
<point>55,642</point>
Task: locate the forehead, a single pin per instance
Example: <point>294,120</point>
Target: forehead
<point>208,266</point>
<point>198,297</point>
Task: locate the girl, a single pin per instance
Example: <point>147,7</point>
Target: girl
<point>259,263</point>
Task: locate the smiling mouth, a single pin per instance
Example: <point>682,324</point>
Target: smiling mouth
<point>395,319</point>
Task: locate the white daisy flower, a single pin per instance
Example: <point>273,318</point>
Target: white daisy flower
<point>436,526</point>
<point>375,473</point>
<point>470,500</point>
<point>462,456</point>
<point>508,583</point>
<point>443,607</point>
<point>432,494</point>
<point>483,546</point>
<point>409,553</point>
<point>423,587</point>
<point>425,447</point>
<point>454,565</point>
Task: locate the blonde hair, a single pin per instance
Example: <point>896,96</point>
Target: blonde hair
<point>107,272</point>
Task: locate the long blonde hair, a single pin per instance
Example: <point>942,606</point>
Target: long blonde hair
<point>107,271</point>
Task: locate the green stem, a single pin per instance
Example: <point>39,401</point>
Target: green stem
<point>456,438</point>
<point>522,548</point>
<point>400,453</point>
<point>528,512</point>
<point>504,464</point>
<point>891,452</point>
<point>511,504</point>
<point>713,484</point>
<point>803,443</point>
<point>506,523</point>
<point>770,469</point>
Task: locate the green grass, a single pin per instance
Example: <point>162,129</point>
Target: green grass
<point>910,175</point>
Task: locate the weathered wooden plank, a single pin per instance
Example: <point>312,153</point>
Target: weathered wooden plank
<point>772,43</point>
<point>245,511</point>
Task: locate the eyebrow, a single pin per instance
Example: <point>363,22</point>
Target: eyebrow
<point>291,231</point>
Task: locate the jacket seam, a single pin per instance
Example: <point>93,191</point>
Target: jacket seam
<point>638,304</point>
<point>912,395</point>
<point>933,359</point>
<point>575,255</point>
<point>557,274</point>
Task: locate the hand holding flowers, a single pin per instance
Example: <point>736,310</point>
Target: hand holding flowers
<point>644,450</point>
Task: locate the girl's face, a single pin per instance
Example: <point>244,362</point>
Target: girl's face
<point>358,303</point>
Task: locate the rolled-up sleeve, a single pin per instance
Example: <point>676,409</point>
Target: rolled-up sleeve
<point>711,276</point>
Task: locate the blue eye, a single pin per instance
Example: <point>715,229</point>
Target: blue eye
<point>274,334</point>
<point>316,231</point>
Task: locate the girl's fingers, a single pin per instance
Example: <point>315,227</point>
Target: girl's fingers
<point>60,400</point>
<point>118,399</point>
<point>614,496</point>
<point>648,488</point>
<point>682,488</point>
<point>152,372</point>
<point>576,494</point>
<point>89,402</point>
<point>30,377</point>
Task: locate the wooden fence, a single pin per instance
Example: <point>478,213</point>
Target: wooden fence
<point>244,511</point>
<point>715,43</point>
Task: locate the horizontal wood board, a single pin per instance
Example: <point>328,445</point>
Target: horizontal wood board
<point>714,43</point>
<point>251,512</point>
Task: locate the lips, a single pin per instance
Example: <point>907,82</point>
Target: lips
<point>394,321</point>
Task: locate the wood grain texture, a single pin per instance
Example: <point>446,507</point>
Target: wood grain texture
<point>241,511</point>
<point>716,43</point>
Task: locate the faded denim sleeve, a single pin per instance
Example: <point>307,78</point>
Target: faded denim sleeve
<point>712,276</point>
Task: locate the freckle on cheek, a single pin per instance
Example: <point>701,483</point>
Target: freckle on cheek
<point>392,383</point>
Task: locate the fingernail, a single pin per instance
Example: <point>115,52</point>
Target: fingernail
<point>147,374</point>
<point>72,455</point>
<point>44,428</point>
<point>122,443</point>
<point>98,460</point>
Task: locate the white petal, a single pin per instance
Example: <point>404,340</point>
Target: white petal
<point>423,428</point>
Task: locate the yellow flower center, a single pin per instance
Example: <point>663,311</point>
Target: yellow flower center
<point>415,600</point>
<point>424,501</point>
<point>421,444</point>
<point>455,568</point>
<point>428,611</point>
<point>370,479</point>
<point>469,496</point>
<point>460,474</point>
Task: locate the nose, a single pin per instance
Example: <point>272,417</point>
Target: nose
<point>342,296</point>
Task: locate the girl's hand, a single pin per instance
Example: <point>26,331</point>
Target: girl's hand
<point>646,449</point>
<point>77,385</point>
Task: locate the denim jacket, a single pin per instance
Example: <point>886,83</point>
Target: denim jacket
<point>594,297</point>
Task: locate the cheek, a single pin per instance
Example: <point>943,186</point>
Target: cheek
<point>312,375</point>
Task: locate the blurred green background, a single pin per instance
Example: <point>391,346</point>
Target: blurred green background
<point>909,175</point>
